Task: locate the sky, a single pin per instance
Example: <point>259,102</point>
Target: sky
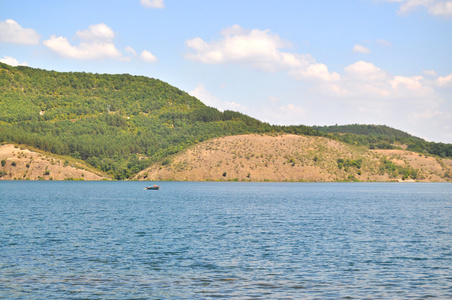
<point>285,62</point>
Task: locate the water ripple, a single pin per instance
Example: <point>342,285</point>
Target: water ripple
<point>112,240</point>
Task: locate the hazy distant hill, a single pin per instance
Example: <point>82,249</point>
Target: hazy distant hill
<point>384,137</point>
<point>370,130</point>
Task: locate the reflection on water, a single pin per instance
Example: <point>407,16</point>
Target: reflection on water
<point>226,240</point>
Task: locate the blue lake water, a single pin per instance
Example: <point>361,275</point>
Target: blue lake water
<point>114,240</point>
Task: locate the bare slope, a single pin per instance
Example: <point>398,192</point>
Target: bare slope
<point>295,158</point>
<point>23,164</point>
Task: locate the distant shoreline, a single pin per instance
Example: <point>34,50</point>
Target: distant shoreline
<point>248,158</point>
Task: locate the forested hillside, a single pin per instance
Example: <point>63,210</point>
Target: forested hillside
<point>383,137</point>
<point>369,130</point>
<point>119,124</point>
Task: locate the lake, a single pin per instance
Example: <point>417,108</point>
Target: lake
<point>202,240</point>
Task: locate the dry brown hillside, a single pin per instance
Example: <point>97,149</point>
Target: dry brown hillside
<point>23,164</point>
<point>295,158</point>
<point>249,158</point>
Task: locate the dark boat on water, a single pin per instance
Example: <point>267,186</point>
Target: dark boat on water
<point>152,187</point>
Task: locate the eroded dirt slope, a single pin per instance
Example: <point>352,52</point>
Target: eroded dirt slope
<point>295,158</point>
<point>23,164</point>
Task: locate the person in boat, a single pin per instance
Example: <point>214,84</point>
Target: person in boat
<point>155,187</point>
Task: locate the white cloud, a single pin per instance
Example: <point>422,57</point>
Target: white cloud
<point>365,93</point>
<point>131,50</point>
<point>384,43</point>
<point>153,3</point>
<point>315,71</point>
<point>260,49</point>
<point>416,92</point>
<point>411,83</point>
<point>409,5</point>
<point>433,120</point>
<point>12,61</point>
<point>208,99</point>
<point>12,32</point>
<point>96,33</point>
<point>148,56</point>
<point>373,95</point>
<point>434,7</point>
<point>445,81</point>
<point>96,43</point>
<point>359,93</point>
<point>84,50</point>
<point>443,8</point>
<point>364,71</point>
<point>361,49</point>
<point>234,30</point>
<point>429,72</point>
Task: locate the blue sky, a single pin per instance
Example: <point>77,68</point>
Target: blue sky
<point>286,62</point>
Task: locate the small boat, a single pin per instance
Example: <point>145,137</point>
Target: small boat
<point>152,187</point>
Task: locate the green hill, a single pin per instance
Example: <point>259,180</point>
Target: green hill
<point>372,136</point>
<point>383,137</point>
<point>382,131</point>
<point>117,123</point>
<point>121,124</point>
